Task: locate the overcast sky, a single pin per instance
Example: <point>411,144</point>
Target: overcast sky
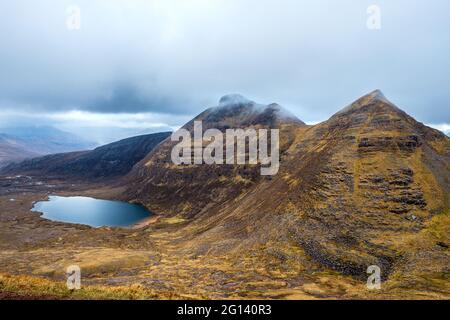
<point>149,65</point>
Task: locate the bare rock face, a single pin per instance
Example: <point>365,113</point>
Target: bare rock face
<point>349,194</point>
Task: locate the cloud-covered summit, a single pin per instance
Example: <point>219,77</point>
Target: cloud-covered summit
<point>176,57</point>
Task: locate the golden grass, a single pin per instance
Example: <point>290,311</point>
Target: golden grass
<point>174,220</point>
<point>34,287</point>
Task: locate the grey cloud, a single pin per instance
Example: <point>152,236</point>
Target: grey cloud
<point>126,98</point>
<point>178,57</point>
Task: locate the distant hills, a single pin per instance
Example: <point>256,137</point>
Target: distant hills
<point>112,160</point>
<point>47,140</point>
<point>13,149</point>
<point>18,143</point>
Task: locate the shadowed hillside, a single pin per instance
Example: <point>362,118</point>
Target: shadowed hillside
<point>112,160</point>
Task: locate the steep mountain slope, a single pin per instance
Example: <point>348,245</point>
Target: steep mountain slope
<point>13,149</point>
<point>108,161</point>
<point>167,188</point>
<point>370,186</point>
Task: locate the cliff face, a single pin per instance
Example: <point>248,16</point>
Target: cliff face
<point>367,187</point>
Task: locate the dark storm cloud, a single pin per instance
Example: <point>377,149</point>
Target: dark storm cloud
<point>123,98</point>
<point>126,98</point>
<point>180,56</point>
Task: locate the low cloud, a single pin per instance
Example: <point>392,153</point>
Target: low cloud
<point>177,57</point>
<point>444,127</point>
<point>101,128</point>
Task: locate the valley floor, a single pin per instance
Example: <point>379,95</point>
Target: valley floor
<point>153,262</point>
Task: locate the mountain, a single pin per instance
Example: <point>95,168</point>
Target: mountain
<point>47,140</point>
<point>167,188</point>
<point>108,161</point>
<point>13,149</point>
<point>369,186</point>
<point>19,143</point>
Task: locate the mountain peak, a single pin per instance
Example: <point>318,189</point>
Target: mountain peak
<point>374,98</point>
<point>377,95</point>
<point>237,110</point>
<point>377,92</point>
<point>233,100</point>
